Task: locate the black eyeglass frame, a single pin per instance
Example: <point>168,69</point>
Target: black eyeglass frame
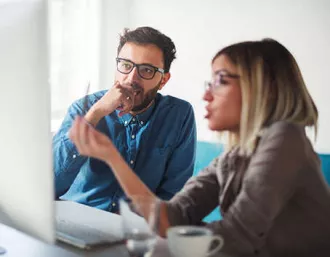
<point>156,69</point>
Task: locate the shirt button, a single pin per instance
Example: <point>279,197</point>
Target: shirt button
<point>125,122</point>
<point>74,156</point>
<point>141,122</point>
<point>133,119</point>
<point>131,161</point>
<point>114,204</point>
<point>133,136</point>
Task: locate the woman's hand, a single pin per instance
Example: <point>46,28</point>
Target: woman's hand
<point>92,143</point>
<point>89,141</point>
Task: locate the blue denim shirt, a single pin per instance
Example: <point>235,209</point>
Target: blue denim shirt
<point>159,145</point>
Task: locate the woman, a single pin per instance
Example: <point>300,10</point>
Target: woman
<point>272,195</point>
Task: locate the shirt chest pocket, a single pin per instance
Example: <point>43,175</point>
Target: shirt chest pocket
<point>151,165</point>
<point>154,157</point>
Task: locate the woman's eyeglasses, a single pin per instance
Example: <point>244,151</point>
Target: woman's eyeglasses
<point>219,80</point>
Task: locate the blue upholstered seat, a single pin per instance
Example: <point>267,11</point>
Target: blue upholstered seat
<point>206,152</point>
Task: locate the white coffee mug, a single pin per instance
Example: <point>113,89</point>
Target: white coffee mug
<point>192,241</point>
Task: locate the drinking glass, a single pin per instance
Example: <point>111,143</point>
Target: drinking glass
<point>140,222</point>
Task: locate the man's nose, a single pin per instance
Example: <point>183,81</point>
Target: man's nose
<point>133,76</point>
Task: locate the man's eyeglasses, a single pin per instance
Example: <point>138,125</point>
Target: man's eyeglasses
<point>145,71</point>
<point>219,80</point>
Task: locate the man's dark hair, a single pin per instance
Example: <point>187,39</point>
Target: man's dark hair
<point>148,35</point>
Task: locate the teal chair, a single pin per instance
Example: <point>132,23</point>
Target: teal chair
<point>325,166</point>
<point>206,152</point>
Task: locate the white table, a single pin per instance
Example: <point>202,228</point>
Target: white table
<point>19,244</point>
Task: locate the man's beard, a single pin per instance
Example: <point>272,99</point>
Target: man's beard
<point>149,97</point>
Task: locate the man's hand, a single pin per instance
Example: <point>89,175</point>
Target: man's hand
<point>118,97</point>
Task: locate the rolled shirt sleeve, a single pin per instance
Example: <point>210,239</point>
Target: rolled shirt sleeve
<point>66,159</point>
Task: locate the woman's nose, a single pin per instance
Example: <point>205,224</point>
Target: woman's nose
<point>208,96</point>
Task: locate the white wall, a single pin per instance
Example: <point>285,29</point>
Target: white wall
<point>115,17</point>
<point>200,28</point>
<point>74,50</point>
<point>83,41</point>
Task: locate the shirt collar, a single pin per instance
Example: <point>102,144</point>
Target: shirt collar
<point>141,118</point>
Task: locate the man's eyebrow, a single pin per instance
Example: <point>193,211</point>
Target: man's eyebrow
<point>145,63</point>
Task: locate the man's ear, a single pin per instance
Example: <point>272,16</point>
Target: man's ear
<point>165,78</point>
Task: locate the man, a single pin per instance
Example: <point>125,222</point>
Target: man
<point>155,134</point>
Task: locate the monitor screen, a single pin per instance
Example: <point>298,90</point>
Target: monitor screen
<point>26,177</point>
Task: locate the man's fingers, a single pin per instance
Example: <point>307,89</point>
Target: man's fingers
<point>117,85</point>
<point>125,107</point>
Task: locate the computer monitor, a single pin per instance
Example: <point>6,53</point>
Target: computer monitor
<point>26,177</point>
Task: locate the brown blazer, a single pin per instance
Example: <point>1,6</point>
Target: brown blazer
<point>274,203</point>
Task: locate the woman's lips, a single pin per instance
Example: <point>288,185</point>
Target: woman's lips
<point>208,113</point>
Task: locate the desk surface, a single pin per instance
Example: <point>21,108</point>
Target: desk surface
<point>19,244</point>
<point>160,250</point>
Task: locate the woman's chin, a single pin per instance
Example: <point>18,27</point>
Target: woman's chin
<point>213,126</point>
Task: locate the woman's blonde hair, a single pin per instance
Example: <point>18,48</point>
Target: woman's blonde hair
<point>272,89</point>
